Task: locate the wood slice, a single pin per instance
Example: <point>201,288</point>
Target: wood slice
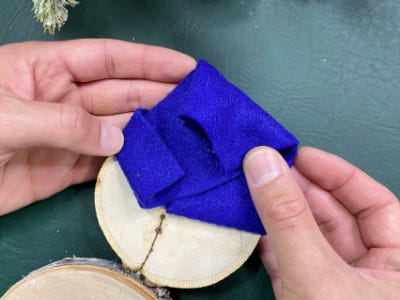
<point>84,279</point>
<point>168,250</point>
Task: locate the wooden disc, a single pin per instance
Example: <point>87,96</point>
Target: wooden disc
<point>168,250</point>
<point>81,278</point>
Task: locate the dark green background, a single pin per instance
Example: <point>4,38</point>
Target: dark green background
<point>327,70</point>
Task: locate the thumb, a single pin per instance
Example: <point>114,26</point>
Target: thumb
<point>294,235</point>
<point>41,124</point>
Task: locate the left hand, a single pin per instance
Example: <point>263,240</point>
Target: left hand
<point>58,100</point>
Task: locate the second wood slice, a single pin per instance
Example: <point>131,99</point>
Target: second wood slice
<point>84,279</point>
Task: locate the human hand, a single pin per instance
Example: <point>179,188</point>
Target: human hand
<point>62,105</point>
<point>333,232</point>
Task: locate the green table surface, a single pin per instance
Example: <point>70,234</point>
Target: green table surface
<point>327,70</point>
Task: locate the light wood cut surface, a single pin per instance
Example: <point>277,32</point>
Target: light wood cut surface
<point>168,250</point>
<point>84,282</point>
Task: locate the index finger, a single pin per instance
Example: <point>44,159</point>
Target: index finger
<point>96,59</point>
<point>376,208</point>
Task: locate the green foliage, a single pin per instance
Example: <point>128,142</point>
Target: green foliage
<point>52,13</point>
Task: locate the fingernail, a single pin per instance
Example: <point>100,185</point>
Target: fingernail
<point>111,139</point>
<point>262,167</point>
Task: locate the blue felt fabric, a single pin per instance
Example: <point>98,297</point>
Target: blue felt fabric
<point>186,153</point>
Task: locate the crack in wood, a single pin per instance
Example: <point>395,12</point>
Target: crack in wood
<point>158,231</point>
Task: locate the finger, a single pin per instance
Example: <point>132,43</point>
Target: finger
<point>66,168</point>
<point>338,225</point>
<point>113,96</point>
<point>384,259</point>
<point>85,169</point>
<point>376,208</point>
<point>270,263</point>
<point>35,124</point>
<point>119,120</point>
<point>298,244</point>
<point>95,59</point>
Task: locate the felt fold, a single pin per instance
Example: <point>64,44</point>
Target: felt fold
<point>186,153</point>
<point>149,150</point>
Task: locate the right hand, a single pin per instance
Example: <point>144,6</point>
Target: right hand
<point>333,232</point>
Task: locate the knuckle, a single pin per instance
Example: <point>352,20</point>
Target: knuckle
<point>72,119</point>
<point>109,63</point>
<point>284,211</point>
<point>146,61</point>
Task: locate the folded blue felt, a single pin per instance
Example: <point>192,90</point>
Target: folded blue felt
<point>186,153</point>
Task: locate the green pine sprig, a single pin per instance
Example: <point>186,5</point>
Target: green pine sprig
<point>52,13</point>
